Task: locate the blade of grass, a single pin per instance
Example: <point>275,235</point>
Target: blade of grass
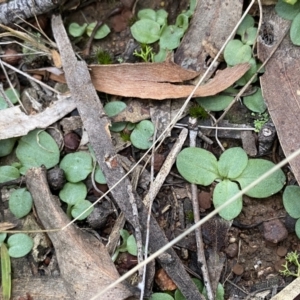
<point>5,272</point>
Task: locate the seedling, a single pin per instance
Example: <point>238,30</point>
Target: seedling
<point>152,27</point>
<point>77,30</point>
<point>233,171</point>
<point>18,245</point>
<point>260,121</point>
<point>146,53</point>
<point>292,258</point>
<point>128,244</point>
<point>290,10</point>
<point>291,204</point>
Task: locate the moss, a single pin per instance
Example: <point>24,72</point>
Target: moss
<point>197,111</point>
<point>103,57</point>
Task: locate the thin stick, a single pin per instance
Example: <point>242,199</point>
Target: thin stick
<point>198,233</point>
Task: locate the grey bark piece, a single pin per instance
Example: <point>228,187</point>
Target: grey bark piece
<point>211,24</point>
<point>84,263</point>
<point>13,10</point>
<point>96,124</point>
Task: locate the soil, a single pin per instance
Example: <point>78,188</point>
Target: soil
<point>255,245</point>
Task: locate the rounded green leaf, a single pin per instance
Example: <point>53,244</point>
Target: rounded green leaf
<point>146,31</point>
<point>161,17</point>
<point>99,176</point>
<point>255,102</point>
<point>287,11</point>
<point>19,245</point>
<point>12,94</point>
<point>232,162</point>
<point>117,126</point>
<point>37,148</point>
<point>161,55</point>
<point>249,36</point>
<point>269,186</point>
<point>182,21</point>
<point>141,135</point>
<point>297,228</point>
<point>291,200</point>
<point>219,294</point>
<point>295,31</point>
<point>197,166</point>
<point>76,30</point>
<point>20,203</point>
<point>161,296</point>
<point>71,193</point>
<point>236,53</point>
<point>101,33</point>
<point>77,166</point>
<point>2,237</point>
<point>6,146</point>
<point>170,37</point>
<point>247,22</point>
<point>131,245</point>
<point>224,191</point>
<point>80,207</point>
<point>8,173</point>
<point>113,108</point>
<point>215,103</point>
<point>248,75</point>
<point>147,13</point>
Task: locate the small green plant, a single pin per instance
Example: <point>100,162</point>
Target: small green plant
<point>292,259</point>
<point>152,27</point>
<point>260,120</point>
<point>290,10</point>
<point>146,53</point>
<point>233,171</point>
<point>197,111</point>
<point>291,196</point>
<point>128,244</point>
<point>103,57</point>
<point>77,30</point>
<point>17,245</point>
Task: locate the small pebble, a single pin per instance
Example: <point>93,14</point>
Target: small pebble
<point>232,250</point>
<point>274,231</point>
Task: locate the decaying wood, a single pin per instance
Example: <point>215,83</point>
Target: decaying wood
<point>292,291</point>
<point>211,24</point>
<point>14,122</point>
<point>11,11</point>
<point>96,124</point>
<point>84,263</point>
<point>130,85</point>
<point>280,83</point>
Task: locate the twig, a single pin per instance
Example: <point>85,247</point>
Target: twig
<point>199,241</point>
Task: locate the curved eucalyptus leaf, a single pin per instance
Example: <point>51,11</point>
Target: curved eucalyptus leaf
<point>77,166</point>
<point>141,135</point>
<point>113,108</point>
<point>236,53</point>
<point>37,148</point>
<point>19,245</point>
<point>287,11</point>
<point>6,146</point>
<point>197,166</point>
<point>146,31</point>
<point>295,31</point>
<point>80,207</point>
<point>20,203</point>
<point>291,200</point>
<point>223,191</point>
<point>255,102</point>
<point>269,186</point>
<point>215,103</point>
<point>227,164</point>
<point>8,173</point>
<point>71,193</point>
<point>76,30</point>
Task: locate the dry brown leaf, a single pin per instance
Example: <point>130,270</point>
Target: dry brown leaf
<point>153,80</point>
